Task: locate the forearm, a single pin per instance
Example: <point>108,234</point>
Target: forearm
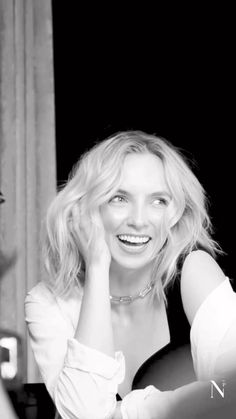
<point>95,326</point>
<point>82,381</point>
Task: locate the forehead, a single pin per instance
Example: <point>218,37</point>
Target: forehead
<point>143,170</point>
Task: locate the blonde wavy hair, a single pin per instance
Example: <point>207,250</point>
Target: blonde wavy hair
<point>94,180</point>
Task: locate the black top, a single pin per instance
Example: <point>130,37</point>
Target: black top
<point>171,366</point>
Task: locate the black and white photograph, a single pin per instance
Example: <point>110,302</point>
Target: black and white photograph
<point>117,274</point>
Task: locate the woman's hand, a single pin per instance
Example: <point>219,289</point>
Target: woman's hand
<point>149,403</point>
<point>91,238</point>
<point>94,326</point>
<point>159,405</point>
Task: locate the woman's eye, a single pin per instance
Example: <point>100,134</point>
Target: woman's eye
<point>118,199</point>
<point>159,201</point>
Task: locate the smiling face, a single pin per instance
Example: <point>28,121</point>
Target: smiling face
<point>133,216</point>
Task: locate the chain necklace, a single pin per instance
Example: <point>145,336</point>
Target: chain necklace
<point>127,299</point>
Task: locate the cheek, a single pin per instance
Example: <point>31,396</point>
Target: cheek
<point>112,218</point>
<point>173,214</point>
<point>159,223</point>
<point>157,218</point>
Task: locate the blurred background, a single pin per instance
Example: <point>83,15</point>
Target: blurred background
<point>165,71</point>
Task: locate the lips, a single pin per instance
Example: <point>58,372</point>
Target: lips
<point>133,240</point>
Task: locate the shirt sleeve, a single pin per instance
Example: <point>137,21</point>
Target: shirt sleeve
<point>213,334</point>
<point>82,381</point>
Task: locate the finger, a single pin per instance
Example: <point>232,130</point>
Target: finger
<point>81,221</point>
<point>98,222</point>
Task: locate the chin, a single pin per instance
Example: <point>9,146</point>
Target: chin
<point>130,264</point>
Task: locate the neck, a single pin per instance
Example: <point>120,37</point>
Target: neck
<point>124,281</point>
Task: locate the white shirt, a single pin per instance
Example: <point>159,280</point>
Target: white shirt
<point>83,382</point>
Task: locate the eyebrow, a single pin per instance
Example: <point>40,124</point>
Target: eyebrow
<point>153,194</point>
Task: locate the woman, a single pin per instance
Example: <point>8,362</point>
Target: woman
<point>130,223</point>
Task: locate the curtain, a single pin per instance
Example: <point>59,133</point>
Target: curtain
<point>27,154</point>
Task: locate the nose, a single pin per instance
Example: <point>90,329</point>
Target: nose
<point>137,217</point>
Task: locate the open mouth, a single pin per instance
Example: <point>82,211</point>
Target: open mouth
<point>133,240</point>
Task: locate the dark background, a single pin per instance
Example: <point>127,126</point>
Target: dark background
<point>164,72</point>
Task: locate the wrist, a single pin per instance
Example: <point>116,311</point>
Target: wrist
<point>97,270</point>
<point>97,277</point>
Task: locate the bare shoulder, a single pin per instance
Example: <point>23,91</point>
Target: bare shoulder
<point>200,275</point>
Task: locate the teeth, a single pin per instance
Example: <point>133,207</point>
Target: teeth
<point>134,239</point>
